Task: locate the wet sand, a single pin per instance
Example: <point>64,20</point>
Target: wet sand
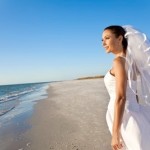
<point>71,118</point>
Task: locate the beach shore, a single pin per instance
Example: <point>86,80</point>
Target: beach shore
<point>71,118</point>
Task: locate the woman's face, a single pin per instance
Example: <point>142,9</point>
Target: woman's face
<point>110,42</point>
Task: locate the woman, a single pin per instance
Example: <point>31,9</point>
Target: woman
<point>128,121</point>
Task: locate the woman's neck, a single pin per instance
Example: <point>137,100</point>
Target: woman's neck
<point>121,54</point>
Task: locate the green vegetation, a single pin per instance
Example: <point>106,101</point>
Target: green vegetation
<point>94,77</point>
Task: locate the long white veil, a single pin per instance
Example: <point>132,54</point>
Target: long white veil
<point>138,62</point>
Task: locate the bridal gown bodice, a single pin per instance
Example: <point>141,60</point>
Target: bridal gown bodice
<point>135,125</point>
<point>131,101</point>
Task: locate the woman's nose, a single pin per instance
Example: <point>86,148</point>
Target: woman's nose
<point>103,43</point>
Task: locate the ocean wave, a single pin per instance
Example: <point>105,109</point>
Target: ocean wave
<point>6,106</point>
<point>14,95</point>
<point>11,96</point>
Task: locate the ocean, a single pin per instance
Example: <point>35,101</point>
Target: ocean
<point>19,98</point>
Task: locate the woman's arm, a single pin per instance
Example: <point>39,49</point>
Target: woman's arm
<point>121,81</point>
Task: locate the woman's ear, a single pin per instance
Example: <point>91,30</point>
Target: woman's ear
<point>120,38</point>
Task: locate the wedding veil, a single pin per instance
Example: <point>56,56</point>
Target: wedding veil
<point>138,62</point>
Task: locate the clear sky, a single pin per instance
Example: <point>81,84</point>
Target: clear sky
<point>51,40</point>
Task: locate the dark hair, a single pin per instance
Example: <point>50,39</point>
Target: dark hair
<point>118,30</point>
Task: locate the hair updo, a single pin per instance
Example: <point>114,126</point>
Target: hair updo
<point>118,30</point>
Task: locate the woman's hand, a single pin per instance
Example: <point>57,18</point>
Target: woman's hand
<point>116,142</point>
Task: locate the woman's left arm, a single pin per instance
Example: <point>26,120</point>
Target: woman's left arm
<point>121,81</point>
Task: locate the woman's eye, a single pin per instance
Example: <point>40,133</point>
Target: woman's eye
<point>107,38</point>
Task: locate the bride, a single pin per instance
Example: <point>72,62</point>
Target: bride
<point>128,121</point>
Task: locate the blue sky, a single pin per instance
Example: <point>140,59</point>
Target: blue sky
<point>51,40</point>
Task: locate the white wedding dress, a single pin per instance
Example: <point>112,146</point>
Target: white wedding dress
<point>135,127</point>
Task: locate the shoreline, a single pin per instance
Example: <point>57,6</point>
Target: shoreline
<point>72,117</point>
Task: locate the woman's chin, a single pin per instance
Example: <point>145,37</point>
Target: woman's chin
<point>108,51</point>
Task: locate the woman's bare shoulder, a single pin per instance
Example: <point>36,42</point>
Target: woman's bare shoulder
<point>119,61</point>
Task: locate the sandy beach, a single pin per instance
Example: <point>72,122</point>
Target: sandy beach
<point>71,118</point>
